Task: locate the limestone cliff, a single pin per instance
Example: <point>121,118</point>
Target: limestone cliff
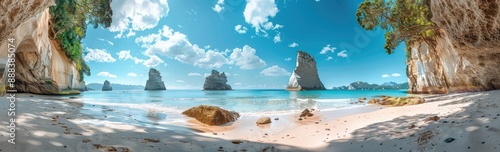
<point>466,55</point>
<point>216,81</point>
<point>154,82</point>
<point>41,66</point>
<point>305,76</point>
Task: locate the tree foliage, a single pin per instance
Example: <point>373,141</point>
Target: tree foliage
<point>403,20</point>
<point>69,25</point>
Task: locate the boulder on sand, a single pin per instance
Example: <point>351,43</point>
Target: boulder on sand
<point>306,113</point>
<point>212,115</point>
<point>264,120</point>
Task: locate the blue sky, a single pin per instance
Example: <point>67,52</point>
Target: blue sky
<point>255,41</point>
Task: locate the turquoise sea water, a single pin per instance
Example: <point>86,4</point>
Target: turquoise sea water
<point>166,106</point>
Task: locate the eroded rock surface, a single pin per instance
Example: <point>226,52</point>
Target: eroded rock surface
<point>305,76</point>
<point>216,81</point>
<point>212,115</point>
<point>466,56</point>
<point>154,82</point>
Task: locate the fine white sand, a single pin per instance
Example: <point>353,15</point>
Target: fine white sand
<point>470,119</point>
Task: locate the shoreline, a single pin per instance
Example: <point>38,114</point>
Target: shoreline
<point>470,119</point>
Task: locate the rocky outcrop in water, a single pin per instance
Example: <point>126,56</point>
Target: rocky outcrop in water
<point>216,81</point>
<point>359,85</point>
<point>154,82</point>
<point>41,66</point>
<point>305,76</point>
<point>212,115</point>
<point>106,86</point>
<point>466,56</point>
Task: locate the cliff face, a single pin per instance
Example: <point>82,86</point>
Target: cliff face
<point>216,81</point>
<point>154,82</point>
<point>305,76</point>
<point>41,66</point>
<point>466,56</point>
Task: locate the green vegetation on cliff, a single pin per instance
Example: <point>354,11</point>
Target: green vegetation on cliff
<point>69,24</point>
<point>403,20</point>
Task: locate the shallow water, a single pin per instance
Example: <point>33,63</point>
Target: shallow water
<point>158,107</point>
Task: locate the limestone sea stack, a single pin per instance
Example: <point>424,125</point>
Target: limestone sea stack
<point>106,86</point>
<point>154,82</point>
<point>216,81</point>
<point>305,76</point>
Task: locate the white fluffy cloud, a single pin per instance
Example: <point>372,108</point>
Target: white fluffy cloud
<point>240,29</point>
<point>274,71</point>
<point>288,59</point>
<point>329,58</point>
<point>136,15</point>
<point>342,54</point>
<point>98,55</point>
<point>395,74</point>
<point>385,76</point>
<point>131,74</point>
<point>125,55</point>
<point>327,49</point>
<point>106,74</point>
<point>277,38</point>
<point>293,45</point>
<point>153,61</point>
<point>218,7</point>
<point>246,59</point>
<point>258,12</point>
<point>177,46</point>
<point>194,74</point>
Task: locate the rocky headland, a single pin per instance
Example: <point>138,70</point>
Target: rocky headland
<point>305,76</point>
<point>216,81</point>
<point>154,82</point>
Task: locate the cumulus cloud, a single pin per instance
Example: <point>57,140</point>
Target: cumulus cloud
<point>153,61</point>
<point>329,58</point>
<point>277,38</point>
<point>131,74</point>
<point>177,46</point>
<point>106,74</point>
<point>218,6</point>
<point>288,59</point>
<point>274,71</point>
<point>293,45</point>
<point>98,55</point>
<point>240,29</point>
<point>246,59</point>
<point>395,74</point>
<point>327,49</point>
<point>385,76</point>
<point>125,55</point>
<point>136,15</point>
<point>258,12</point>
<point>194,74</point>
<point>342,54</point>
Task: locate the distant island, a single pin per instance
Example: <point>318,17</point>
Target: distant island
<point>359,85</point>
<point>98,86</point>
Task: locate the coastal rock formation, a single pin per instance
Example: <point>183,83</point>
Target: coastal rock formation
<point>359,85</point>
<point>216,81</point>
<point>264,120</point>
<point>305,76</point>
<point>41,66</point>
<point>154,82</point>
<point>465,57</point>
<point>212,115</point>
<point>106,86</point>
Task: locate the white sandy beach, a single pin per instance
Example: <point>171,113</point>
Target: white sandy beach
<point>468,122</point>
